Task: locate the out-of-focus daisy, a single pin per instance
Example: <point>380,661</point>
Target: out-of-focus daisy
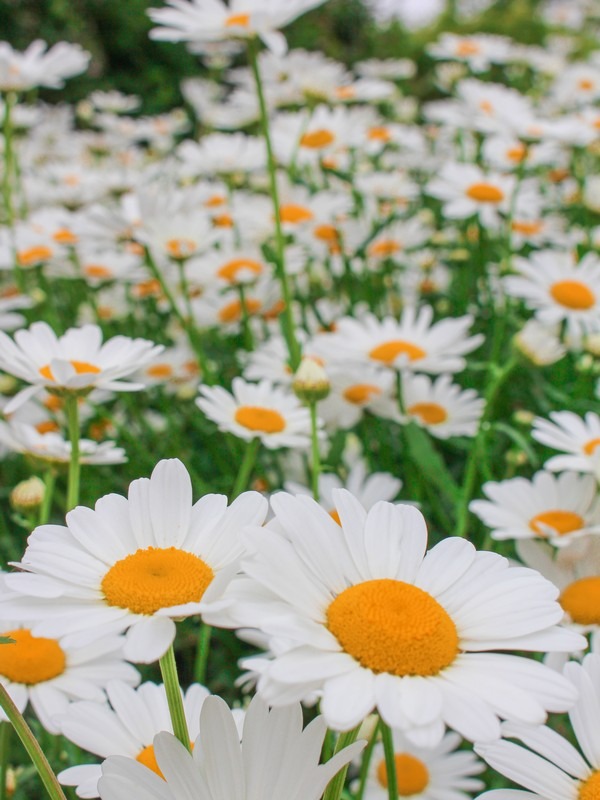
<point>284,760</point>
<point>77,361</point>
<point>539,343</point>
<point>127,728</point>
<point>577,436</point>
<point>355,391</point>
<point>374,622</point>
<point>257,410</point>
<point>436,773</point>
<point>51,448</point>
<point>467,191</point>
<point>40,66</point>
<point>135,563</point>
<point>479,52</point>
<point>557,508</point>
<point>442,407</point>
<point>559,289</point>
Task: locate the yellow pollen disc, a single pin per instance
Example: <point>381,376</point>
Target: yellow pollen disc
<point>223,221</point>
<point>562,522</point>
<point>237,21</point>
<point>80,367</point>
<point>392,626</point>
<point>229,271</point>
<point>294,214</point>
<point>156,578</point>
<point>388,352</point>
<point>485,193</point>
<point>48,426</point>
<point>33,255</point>
<point>64,236</point>
<point>586,84</point>
<point>180,248</point>
<point>517,153</point>
<point>590,789</point>
<point>467,48</point>
<point>232,312</point>
<point>263,420</point>
<point>147,758</point>
<point>573,294</point>
<point>379,134</point>
<point>160,371</point>
<point>345,92</point>
<point>32,659</point>
<point>327,233</point>
<point>527,228</point>
<point>361,393</point>
<point>429,413</point>
<point>97,271</point>
<point>317,139</point>
<point>385,248</point>
<point>589,448</point>
<point>581,600</point>
<point>335,516</point>
<point>486,107</point>
<point>71,180</point>
<point>412,776</point>
<point>215,201</point>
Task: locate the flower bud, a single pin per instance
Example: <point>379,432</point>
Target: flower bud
<point>28,495</point>
<point>310,382</point>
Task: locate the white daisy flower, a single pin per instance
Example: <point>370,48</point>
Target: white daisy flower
<point>356,390</point>
<point>557,508</point>
<point>436,773</point>
<point>540,343</point>
<point>442,407</point>
<point>559,290</point>
<point>467,191</point>
<point>77,361</point>
<point>135,563</point>
<point>374,622</point>
<point>127,728</point>
<point>275,758</point>
<point>257,410</point>
<point>577,436</point>
<point>40,66</point>
<point>52,448</point>
<point>552,768</point>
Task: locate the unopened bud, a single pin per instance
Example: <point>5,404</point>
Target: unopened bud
<point>310,382</point>
<point>523,417</point>
<point>28,495</point>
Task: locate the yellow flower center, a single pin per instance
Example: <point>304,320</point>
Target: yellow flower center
<point>562,522</point>
<point>160,371</point>
<point>485,193</point>
<point>429,413</point>
<point>590,789</point>
<point>527,228</point>
<point>80,367</point>
<point>589,448</point>
<point>388,352</point>
<point>581,600</point>
<point>586,84</point>
<point>573,294</point>
<point>229,271</point>
<point>33,255</point>
<point>237,21</point>
<point>516,153</point>
<point>147,758</point>
<point>148,580</point>
<point>47,426</point>
<point>215,200</point>
<point>64,236</point>
<point>97,271</point>
<point>257,418</point>
<point>379,133</point>
<point>180,248</point>
<point>32,659</point>
<point>392,626</point>
<point>232,312</point>
<point>361,393</point>
<point>467,48</point>
<point>315,140</point>
<point>345,92</point>
<point>385,248</point>
<point>412,776</point>
<point>223,221</point>
<point>335,516</point>
<point>327,233</point>
<point>294,214</point>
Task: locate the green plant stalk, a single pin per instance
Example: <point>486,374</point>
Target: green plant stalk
<point>287,319</point>
<point>4,756</point>
<point>45,508</point>
<point>315,470</point>
<point>30,744</point>
<point>366,761</point>
<point>246,329</point>
<point>336,784</point>
<point>10,99</point>
<point>168,670</point>
<point>202,651</point>
<point>390,760</point>
<point>243,476</point>
<point>72,411</point>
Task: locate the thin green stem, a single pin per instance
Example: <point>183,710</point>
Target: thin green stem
<point>246,467</point>
<point>336,784</point>
<point>202,651</point>
<point>315,470</point>
<point>30,744</point>
<point>390,760</point>
<point>4,755</point>
<point>168,670</point>
<point>72,411</point>
<point>246,329</point>
<point>366,762</point>
<point>45,508</point>
<point>287,319</point>
<point>10,99</point>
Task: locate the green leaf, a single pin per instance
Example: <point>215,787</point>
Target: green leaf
<point>6,640</point>
<point>433,469</point>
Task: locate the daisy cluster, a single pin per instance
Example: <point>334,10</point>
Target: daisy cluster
<point>348,323</point>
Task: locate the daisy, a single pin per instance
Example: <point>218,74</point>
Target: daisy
<point>443,408</point>
<point>127,728</point>
<point>51,448</point>
<point>135,563</point>
<point>76,362</point>
<point>374,622</point>
<point>355,391</point>
<point>551,767</point>
<point>40,66</point>
<point>467,191</point>
<point>555,508</point>
<point>540,343</point>
<point>578,437</point>
<point>478,52</point>
<point>257,411</point>
<point>559,290</point>
<point>436,773</point>
<point>275,758</point>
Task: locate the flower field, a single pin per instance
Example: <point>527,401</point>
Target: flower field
<point>299,424</point>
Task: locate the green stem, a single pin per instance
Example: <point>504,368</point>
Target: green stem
<point>72,411</point>
<point>30,744</point>
<point>336,784</point>
<point>286,317</point>
<point>366,761</point>
<point>10,99</point>
<point>314,448</point>
<point>246,329</point>
<point>168,670</point>
<point>202,652</point>
<point>4,756</point>
<point>50,482</point>
<point>243,476</point>
<point>390,760</point>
